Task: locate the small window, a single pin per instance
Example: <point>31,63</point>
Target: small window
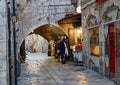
<point>92,21</point>
<point>93,35</point>
<point>112,14</point>
<point>94,41</point>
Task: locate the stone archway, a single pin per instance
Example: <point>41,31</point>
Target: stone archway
<point>23,35</point>
<point>33,14</point>
<point>106,6</point>
<point>47,31</point>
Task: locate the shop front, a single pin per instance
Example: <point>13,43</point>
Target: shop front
<point>94,46</point>
<point>112,43</point>
<point>101,37</point>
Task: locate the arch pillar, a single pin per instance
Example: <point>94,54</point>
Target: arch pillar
<point>22,50</point>
<point>4,57</point>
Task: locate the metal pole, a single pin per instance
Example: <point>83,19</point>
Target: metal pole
<point>15,61</point>
<point>9,41</point>
<point>14,37</point>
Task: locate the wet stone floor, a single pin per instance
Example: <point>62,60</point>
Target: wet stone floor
<point>40,69</point>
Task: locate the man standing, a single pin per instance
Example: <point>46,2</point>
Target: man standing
<point>62,50</point>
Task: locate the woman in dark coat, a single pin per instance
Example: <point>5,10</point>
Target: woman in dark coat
<point>62,50</point>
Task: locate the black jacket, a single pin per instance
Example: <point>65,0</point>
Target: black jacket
<point>62,47</point>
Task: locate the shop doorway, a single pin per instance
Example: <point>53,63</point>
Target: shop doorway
<point>112,43</point>
<point>111,46</point>
<point>112,50</point>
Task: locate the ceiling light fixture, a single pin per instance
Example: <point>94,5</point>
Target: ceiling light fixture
<point>78,9</point>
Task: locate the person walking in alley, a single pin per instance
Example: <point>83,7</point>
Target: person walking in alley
<point>62,50</point>
<point>66,50</point>
<point>58,49</point>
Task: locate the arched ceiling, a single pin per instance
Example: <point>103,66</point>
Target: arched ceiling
<point>48,31</point>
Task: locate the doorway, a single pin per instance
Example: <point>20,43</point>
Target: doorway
<point>111,41</point>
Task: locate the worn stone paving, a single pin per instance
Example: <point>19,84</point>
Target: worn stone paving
<point>40,69</point>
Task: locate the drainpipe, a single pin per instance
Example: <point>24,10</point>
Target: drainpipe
<point>14,37</point>
<point>9,41</point>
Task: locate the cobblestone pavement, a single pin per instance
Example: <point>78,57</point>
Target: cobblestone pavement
<point>40,69</point>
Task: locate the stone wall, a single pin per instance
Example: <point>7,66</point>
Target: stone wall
<point>86,13</point>
<point>3,44</point>
<point>38,13</point>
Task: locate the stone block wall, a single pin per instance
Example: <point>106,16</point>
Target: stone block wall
<point>3,44</point>
<point>40,12</point>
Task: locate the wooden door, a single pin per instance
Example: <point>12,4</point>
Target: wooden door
<point>111,40</point>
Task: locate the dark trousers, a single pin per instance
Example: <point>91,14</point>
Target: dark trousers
<point>63,58</point>
<point>66,57</point>
<point>58,56</point>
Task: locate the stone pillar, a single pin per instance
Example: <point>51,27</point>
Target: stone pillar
<point>4,70</point>
<point>22,50</point>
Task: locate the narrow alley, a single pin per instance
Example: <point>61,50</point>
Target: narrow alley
<point>39,69</point>
<point>81,31</point>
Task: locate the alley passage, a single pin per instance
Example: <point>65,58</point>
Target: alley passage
<point>40,69</point>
